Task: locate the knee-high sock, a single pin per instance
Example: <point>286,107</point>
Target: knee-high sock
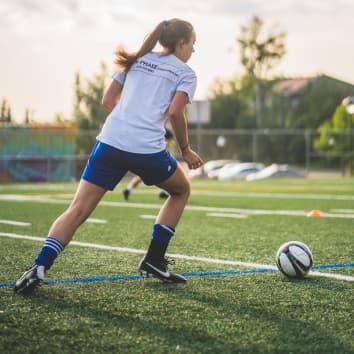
<point>161,236</point>
<point>49,252</point>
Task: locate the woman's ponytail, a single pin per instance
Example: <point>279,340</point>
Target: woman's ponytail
<point>125,59</point>
<point>167,33</point>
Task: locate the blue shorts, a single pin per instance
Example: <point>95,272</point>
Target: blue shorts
<point>107,165</point>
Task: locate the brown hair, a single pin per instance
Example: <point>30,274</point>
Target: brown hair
<point>167,33</point>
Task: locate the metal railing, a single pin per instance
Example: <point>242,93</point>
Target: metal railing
<point>62,156</point>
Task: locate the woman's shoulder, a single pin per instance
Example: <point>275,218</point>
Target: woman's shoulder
<point>172,60</point>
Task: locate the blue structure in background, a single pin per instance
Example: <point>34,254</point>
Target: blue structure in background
<point>37,153</point>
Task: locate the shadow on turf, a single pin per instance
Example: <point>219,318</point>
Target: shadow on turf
<point>293,335</point>
<point>168,332</point>
<point>322,283</point>
<point>288,333</point>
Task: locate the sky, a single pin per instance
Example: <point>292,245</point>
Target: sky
<point>43,43</point>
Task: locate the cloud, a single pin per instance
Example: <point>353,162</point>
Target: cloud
<point>67,15</point>
<point>50,40</point>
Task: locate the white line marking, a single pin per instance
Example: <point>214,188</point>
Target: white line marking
<point>333,276</point>
<point>145,216</point>
<point>16,223</point>
<point>225,215</point>
<point>96,221</point>
<point>40,199</point>
<point>277,195</point>
<point>180,256</point>
<point>342,211</point>
<point>343,216</point>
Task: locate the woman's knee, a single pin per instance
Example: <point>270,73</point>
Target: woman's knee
<point>78,213</point>
<point>183,189</point>
<point>177,185</point>
<point>187,189</point>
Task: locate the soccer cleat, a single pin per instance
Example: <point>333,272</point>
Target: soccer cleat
<point>163,195</point>
<point>126,194</point>
<point>159,270</point>
<point>31,279</point>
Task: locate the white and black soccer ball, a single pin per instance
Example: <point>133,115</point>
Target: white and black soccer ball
<point>294,259</point>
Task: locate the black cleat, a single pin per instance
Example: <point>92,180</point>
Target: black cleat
<point>159,270</point>
<point>163,195</point>
<point>126,194</point>
<point>30,279</point>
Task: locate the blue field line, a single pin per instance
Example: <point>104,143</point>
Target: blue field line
<point>193,274</point>
<point>328,266</point>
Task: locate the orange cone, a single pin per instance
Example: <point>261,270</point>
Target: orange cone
<point>315,213</point>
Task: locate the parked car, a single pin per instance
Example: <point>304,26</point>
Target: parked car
<point>214,171</point>
<point>274,171</point>
<point>208,167</point>
<point>239,170</point>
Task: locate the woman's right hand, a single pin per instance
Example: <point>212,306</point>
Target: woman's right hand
<point>192,158</point>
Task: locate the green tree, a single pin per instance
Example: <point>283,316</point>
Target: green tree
<point>89,114</point>
<point>232,104</point>
<point>5,112</point>
<point>332,140</point>
<point>260,51</point>
<point>319,102</point>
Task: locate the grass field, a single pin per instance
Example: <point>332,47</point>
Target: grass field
<point>95,301</point>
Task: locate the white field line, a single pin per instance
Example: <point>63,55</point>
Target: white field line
<point>277,195</point>
<point>180,256</point>
<point>148,217</point>
<point>227,215</point>
<point>16,223</point>
<point>342,211</point>
<point>335,215</point>
<point>308,196</point>
<point>40,199</point>
<point>96,221</point>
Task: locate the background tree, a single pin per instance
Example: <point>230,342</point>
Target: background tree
<point>5,112</point>
<point>232,104</point>
<point>332,139</point>
<point>319,102</point>
<point>89,114</point>
<point>260,51</point>
<point>29,113</point>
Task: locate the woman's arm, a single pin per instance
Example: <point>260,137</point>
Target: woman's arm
<point>112,95</point>
<point>179,125</point>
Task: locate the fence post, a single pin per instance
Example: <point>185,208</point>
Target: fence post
<point>254,146</point>
<point>48,158</point>
<point>307,150</point>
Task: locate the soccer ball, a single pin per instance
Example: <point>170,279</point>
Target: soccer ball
<point>294,259</point>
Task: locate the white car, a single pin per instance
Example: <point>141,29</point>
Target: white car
<point>208,168</point>
<point>274,171</point>
<point>213,170</point>
<point>238,170</point>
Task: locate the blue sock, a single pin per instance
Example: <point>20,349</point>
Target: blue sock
<point>161,236</point>
<point>49,252</point>
<point>162,233</point>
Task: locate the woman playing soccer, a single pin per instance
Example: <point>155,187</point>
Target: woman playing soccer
<point>149,88</point>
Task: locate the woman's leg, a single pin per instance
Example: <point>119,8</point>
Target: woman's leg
<point>154,261</point>
<point>178,188</point>
<point>60,234</point>
<point>85,201</point>
<point>135,181</point>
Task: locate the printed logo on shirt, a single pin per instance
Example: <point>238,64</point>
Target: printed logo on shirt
<point>156,69</point>
<point>146,65</point>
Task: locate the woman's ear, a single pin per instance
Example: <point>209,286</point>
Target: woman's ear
<point>181,42</point>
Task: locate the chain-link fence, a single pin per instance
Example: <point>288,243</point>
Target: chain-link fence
<point>282,146</point>
<point>59,154</point>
